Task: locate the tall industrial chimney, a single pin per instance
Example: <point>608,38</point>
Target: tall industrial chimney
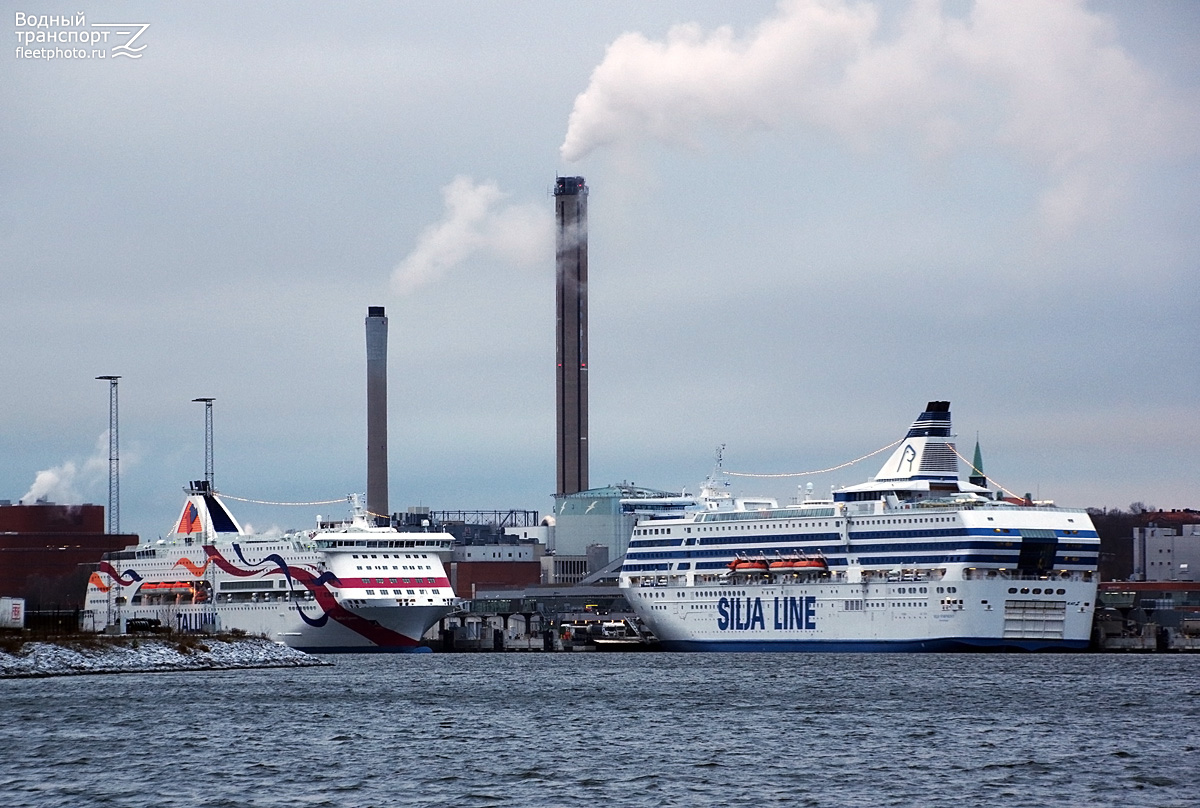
<point>377,443</point>
<point>570,210</point>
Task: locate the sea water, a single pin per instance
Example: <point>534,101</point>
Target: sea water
<point>594,729</point>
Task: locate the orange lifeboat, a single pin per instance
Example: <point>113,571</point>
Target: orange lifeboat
<point>749,565</point>
<point>812,564</point>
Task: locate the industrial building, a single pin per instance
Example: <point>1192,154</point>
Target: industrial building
<point>1166,553</point>
<point>606,516</point>
<point>47,552</point>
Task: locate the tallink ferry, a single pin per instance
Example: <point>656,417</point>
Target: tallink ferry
<point>916,559</point>
<point>349,586</point>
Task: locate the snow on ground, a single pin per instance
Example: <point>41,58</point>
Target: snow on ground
<point>140,655</point>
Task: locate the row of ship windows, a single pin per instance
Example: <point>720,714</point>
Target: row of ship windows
<point>397,556</point>
<point>847,605</point>
<point>666,531</point>
<point>392,581</point>
<point>394,592</point>
<point>965,549</point>
<point>904,590</point>
<point>1012,590</point>
<point>734,594</point>
<point>933,539</point>
<point>404,566</point>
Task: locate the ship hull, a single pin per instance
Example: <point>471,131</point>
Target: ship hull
<point>906,616</point>
<point>940,645</point>
<point>303,625</point>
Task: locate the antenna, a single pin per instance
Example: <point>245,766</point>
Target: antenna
<point>208,441</point>
<point>114,462</point>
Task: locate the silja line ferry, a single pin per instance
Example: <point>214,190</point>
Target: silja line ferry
<point>915,559</point>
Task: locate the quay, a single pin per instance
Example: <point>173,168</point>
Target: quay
<point>1147,617</point>
<point>540,618</point>
<point>1130,617</point>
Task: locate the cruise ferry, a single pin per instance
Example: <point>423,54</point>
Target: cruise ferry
<point>916,559</point>
<point>349,586</point>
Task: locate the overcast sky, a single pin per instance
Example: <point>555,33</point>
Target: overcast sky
<point>806,220</point>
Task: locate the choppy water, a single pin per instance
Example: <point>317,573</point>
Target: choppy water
<point>612,729</point>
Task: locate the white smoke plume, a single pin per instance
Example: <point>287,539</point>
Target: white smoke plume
<point>1044,80</point>
<point>477,221</point>
<point>61,484</point>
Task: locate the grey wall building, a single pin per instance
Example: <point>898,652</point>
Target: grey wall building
<point>1166,554</point>
<point>603,516</point>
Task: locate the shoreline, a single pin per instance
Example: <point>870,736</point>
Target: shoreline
<point>76,655</point>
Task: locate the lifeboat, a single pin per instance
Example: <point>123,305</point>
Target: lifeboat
<point>782,565</point>
<point>748,565</point>
<point>811,564</point>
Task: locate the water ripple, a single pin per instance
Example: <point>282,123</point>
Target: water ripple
<point>650,730</point>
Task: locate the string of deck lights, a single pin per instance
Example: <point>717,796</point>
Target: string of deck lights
<point>290,504</point>
<point>301,504</point>
<point>970,464</point>
<point>891,445</point>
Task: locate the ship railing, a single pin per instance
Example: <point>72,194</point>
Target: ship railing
<point>904,575</point>
<point>975,574</point>
<point>992,504</point>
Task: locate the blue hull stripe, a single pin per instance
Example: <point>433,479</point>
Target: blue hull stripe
<point>954,537</point>
<point>941,644</point>
<point>360,649</point>
<point>958,551</point>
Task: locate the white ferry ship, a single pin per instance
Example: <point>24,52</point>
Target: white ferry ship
<point>916,559</point>
<point>345,587</point>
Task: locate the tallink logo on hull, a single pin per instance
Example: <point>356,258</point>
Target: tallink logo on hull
<point>748,614</point>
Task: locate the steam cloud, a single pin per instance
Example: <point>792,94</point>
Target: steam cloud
<point>477,221</point>
<point>1044,80</point>
<point>60,484</point>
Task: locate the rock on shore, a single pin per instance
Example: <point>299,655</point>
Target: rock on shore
<point>100,654</point>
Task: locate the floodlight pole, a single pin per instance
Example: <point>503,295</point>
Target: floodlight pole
<point>114,461</point>
<point>208,440</point>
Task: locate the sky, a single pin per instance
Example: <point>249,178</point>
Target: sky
<point>807,219</point>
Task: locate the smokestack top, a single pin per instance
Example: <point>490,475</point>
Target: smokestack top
<point>570,186</point>
<point>375,311</point>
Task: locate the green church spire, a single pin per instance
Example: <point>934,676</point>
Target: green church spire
<point>977,477</point>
